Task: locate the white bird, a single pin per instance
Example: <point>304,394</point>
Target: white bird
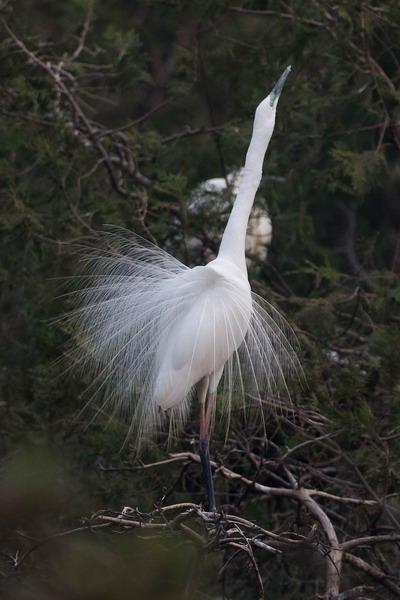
<point>215,197</point>
<point>157,331</point>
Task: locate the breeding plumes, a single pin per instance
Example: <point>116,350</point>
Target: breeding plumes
<point>157,332</point>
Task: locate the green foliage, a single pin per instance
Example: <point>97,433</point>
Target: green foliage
<point>385,346</point>
<point>179,81</point>
<point>317,318</point>
<point>364,170</point>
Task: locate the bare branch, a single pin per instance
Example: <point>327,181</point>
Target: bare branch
<point>370,540</point>
<point>274,13</point>
<point>189,131</point>
<point>372,571</point>
<point>355,593</point>
<point>85,30</point>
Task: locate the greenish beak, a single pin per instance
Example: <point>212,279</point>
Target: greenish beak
<point>277,89</point>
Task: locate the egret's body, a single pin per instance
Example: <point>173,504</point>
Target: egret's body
<point>158,330</point>
<point>211,322</point>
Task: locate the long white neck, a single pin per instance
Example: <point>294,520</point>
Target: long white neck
<point>233,241</point>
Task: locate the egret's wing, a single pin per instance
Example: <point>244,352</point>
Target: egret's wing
<point>271,348</point>
<point>125,306</point>
<point>258,372</point>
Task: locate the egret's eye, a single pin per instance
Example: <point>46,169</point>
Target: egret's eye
<point>272,98</point>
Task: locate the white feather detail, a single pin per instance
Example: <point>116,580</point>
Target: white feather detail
<point>146,324</point>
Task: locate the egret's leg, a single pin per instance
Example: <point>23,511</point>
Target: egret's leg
<point>208,398</point>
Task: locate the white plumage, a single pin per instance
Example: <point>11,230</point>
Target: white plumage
<point>212,317</point>
<point>155,329</point>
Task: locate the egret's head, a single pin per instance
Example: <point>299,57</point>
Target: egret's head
<point>266,110</point>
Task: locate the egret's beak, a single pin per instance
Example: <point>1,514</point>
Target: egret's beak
<point>276,91</point>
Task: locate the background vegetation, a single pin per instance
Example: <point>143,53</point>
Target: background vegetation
<point>113,112</point>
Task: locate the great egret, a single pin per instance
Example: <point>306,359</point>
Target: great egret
<point>214,197</point>
<point>157,330</point>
